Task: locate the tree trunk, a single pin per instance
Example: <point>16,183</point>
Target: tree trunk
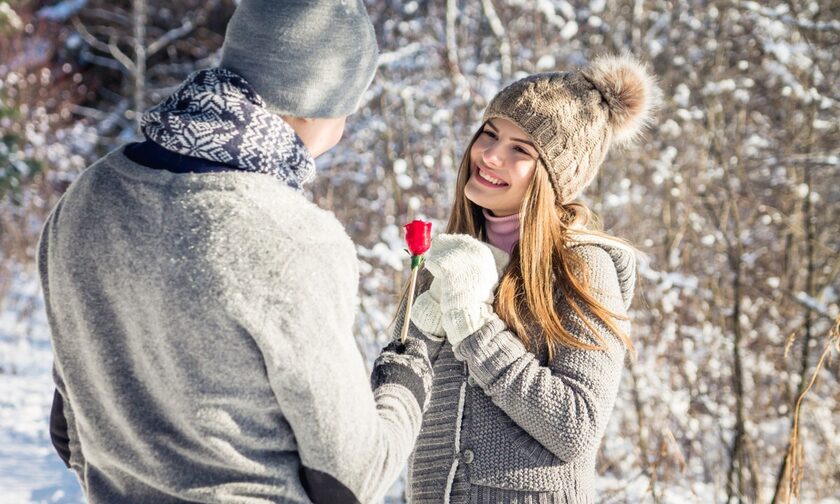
<point>138,20</point>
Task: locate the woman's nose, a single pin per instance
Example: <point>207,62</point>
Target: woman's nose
<point>490,155</point>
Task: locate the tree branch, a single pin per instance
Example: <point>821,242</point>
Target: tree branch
<point>499,31</point>
<point>97,44</point>
<point>120,56</point>
<point>169,37</point>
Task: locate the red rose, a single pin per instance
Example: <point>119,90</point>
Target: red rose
<point>418,236</point>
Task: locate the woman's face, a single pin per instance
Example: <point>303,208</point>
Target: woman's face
<point>502,163</point>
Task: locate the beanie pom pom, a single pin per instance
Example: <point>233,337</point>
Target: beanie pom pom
<point>630,91</point>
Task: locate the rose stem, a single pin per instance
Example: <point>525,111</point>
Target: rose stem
<point>409,302</point>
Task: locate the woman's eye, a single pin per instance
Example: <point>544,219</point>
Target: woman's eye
<point>488,133</point>
<point>522,150</point>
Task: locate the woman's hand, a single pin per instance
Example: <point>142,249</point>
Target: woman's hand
<point>466,274</point>
<point>426,311</point>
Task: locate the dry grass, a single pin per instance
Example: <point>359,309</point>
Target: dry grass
<point>796,455</point>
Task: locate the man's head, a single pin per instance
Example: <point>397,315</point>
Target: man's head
<point>306,59</point>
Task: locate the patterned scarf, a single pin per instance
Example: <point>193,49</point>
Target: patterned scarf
<point>216,115</point>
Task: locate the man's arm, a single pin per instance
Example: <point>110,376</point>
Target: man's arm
<point>62,422</point>
<point>58,429</point>
<point>353,442</point>
<point>63,429</point>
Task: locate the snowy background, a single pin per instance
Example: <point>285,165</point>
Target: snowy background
<point>734,196</point>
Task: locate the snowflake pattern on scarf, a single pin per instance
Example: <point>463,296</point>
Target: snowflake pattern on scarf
<point>216,115</point>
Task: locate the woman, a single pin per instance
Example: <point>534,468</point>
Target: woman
<point>527,335</point>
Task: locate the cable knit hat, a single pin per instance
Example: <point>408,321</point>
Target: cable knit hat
<point>573,117</point>
<point>304,58</point>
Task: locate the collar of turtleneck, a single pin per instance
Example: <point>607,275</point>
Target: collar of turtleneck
<point>502,232</point>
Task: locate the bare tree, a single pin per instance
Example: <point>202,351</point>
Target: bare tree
<point>106,31</point>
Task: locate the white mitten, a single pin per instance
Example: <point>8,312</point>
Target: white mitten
<point>466,269</point>
<point>425,314</point>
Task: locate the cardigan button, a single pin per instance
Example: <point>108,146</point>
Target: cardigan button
<point>471,381</point>
<point>469,456</point>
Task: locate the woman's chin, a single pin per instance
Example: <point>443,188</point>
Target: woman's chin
<point>477,198</point>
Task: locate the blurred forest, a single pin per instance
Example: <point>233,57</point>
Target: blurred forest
<point>734,195</point>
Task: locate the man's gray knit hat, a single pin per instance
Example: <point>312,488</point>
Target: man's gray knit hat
<point>573,117</point>
<point>304,58</point>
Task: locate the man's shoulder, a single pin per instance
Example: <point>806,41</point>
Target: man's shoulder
<point>279,250</point>
<point>263,232</point>
<point>283,215</point>
<point>97,173</point>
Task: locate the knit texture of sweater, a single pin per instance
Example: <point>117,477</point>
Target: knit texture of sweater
<point>202,334</point>
<point>507,426</point>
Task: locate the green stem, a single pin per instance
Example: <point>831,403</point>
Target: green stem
<point>416,261</point>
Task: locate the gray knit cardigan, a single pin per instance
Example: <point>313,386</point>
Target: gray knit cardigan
<point>502,427</point>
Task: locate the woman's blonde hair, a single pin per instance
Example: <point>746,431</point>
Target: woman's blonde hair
<point>541,266</point>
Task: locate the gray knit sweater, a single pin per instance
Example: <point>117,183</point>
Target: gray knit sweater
<point>502,427</point>
<point>202,332</point>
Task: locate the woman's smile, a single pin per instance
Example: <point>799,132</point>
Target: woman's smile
<point>486,178</point>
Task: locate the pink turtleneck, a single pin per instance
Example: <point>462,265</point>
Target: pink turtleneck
<point>502,232</point>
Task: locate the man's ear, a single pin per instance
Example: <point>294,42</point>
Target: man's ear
<point>318,134</point>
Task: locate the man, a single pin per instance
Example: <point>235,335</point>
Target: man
<point>201,308</point>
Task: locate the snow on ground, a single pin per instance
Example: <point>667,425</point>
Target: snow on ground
<point>30,471</point>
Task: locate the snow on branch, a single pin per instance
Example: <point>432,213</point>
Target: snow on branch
<point>169,37</point>
<point>387,58</point>
<point>781,13</point>
<point>62,11</point>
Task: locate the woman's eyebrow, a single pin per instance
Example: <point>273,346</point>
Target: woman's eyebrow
<point>522,140</point>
